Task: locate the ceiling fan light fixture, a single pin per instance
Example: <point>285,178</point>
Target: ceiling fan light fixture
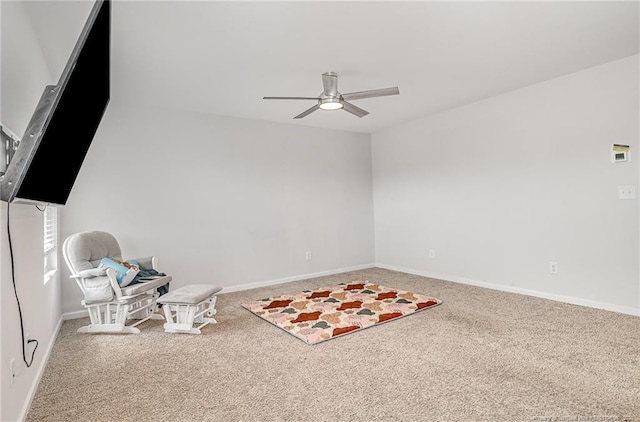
<point>330,104</point>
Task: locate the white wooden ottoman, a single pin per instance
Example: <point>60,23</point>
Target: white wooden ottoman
<point>187,305</point>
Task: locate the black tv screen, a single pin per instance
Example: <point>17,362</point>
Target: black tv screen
<point>47,162</point>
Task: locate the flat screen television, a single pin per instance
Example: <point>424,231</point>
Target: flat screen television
<point>48,159</point>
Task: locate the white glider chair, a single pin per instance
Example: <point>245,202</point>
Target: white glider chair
<point>111,307</point>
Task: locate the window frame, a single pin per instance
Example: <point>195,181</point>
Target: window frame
<point>50,242</point>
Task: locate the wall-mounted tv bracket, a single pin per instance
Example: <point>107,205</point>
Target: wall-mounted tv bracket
<point>8,148</point>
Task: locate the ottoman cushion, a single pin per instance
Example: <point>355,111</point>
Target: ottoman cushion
<point>191,294</point>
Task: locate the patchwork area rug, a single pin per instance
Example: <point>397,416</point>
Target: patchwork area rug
<point>317,315</point>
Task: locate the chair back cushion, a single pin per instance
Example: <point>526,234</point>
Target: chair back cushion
<point>84,250</point>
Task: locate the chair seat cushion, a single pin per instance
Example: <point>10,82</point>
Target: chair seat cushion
<point>134,289</point>
<point>191,294</point>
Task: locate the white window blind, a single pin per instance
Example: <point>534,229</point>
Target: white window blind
<point>50,242</point>
<point>50,227</point>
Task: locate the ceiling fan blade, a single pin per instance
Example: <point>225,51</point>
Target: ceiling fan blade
<point>372,93</point>
<point>308,111</point>
<point>330,83</point>
<point>290,98</point>
<point>353,109</point>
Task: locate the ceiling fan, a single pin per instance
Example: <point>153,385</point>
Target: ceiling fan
<point>331,99</point>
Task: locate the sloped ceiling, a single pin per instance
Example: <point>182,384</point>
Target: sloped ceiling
<point>223,57</point>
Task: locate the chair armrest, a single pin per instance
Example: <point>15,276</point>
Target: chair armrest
<point>94,281</point>
<point>96,289</point>
<point>90,273</point>
<point>146,263</point>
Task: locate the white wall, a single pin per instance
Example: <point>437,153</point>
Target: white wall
<point>497,188</point>
<point>501,187</point>
<point>24,77</point>
<point>224,200</point>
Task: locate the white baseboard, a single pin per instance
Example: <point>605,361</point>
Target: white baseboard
<point>558,298</point>
<point>75,314</point>
<point>248,286</point>
<point>43,364</point>
<point>273,282</point>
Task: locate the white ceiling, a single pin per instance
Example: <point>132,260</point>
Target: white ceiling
<point>223,57</point>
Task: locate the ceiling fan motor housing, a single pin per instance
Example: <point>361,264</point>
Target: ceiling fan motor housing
<point>330,84</point>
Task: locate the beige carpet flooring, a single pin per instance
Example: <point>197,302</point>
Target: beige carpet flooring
<point>482,355</point>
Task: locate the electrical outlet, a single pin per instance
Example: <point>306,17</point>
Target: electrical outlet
<point>626,192</point>
<point>553,267</point>
<point>432,253</point>
<point>307,255</point>
<point>12,370</point>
